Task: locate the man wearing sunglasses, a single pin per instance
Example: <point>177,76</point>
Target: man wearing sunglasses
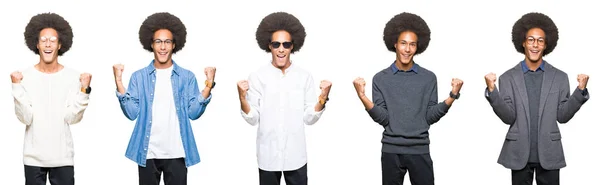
<point>163,97</point>
<point>280,98</point>
<point>533,97</point>
<point>49,97</point>
<point>405,103</point>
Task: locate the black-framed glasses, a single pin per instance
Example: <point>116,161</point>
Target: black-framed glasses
<point>531,40</point>
<point>286,45</point>
<point>159,42</point>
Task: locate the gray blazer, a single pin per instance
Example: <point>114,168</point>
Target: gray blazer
<point>511,105</point>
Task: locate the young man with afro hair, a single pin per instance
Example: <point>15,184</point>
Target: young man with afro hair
<point>49,97</point>
<point>163,97</point>
<point>280,99</point>
<point>405,103</point>
<point>533,97</point>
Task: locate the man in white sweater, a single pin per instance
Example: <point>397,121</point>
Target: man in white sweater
<point>48,98</point>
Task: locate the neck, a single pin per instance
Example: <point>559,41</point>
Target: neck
<point>286,66</point>
<point>533,65</point>
<point>404,67</point>
<point>52,67</point>
<point>165,65</point>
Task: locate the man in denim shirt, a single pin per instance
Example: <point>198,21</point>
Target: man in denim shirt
<point>164,97</point>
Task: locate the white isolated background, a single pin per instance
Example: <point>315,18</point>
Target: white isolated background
<point>469,40</point>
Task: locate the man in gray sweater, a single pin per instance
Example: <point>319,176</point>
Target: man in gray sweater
<point>405,103</point>
<point>533,97</point>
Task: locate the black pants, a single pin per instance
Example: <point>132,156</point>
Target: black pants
<point>395,166</point>
<point>294,177</point>
<point>174,170</point>
<point>543,176</point>
<point>63,175</point>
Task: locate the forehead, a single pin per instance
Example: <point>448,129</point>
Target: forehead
<point>536,32</point>
<point>407,36</point>
<point>48,32</point>
<point>163,34</point>
<point>281,36</point>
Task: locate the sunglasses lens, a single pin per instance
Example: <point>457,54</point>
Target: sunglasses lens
<point>287,45</point>
<point>275,44</point>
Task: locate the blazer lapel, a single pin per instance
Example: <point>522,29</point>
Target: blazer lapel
<point>518,78</point>
<point>546,85</point>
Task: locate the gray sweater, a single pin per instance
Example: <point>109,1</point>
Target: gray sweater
<point>406,104</point>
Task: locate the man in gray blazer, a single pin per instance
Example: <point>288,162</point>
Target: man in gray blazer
<point>533,97</point>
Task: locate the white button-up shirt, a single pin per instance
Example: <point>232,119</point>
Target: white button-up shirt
<point>281,103</point>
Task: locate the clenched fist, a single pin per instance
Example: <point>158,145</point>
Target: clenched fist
<point>118,71</point>
<point>242,87</point>
<point>582,79</point>
<point>325,87</point>
<point>359,85</point>
<point>85,79</point>
<point>456,85</point>
<point>16,77</point>
<point>490,80</point>
<point>210,73</point>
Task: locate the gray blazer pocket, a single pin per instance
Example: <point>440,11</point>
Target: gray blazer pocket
<point>555,136</point>
<point>512,136</point>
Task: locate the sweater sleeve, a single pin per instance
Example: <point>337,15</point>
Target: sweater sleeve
<point>435,110</point>
<point>23,105</point>
<point>77,103</point>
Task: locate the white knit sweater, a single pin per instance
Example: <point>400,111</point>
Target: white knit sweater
<point>47,104</point>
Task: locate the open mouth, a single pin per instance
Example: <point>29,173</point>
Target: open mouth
<point>48,51</point>
<point>281,56</point>
<point>163,53</point>
<point>534,51</point>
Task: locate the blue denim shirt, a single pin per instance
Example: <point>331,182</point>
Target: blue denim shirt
<point>137,103</point>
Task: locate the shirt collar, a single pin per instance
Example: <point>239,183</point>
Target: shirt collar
<point>526,69</point>
<point>395,69</point>
<point>151,69</point>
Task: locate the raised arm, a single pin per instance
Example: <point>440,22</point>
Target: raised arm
<point>313,106</point>
<point>23,105</point>
<point>78,101</point>
<point>128,98</point>
<point>501,102</point>
<point>377,109</point>
<point>250,93</point>
<point>197,103</point>
<point>569,105</point>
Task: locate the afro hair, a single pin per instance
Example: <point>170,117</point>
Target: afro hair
<point>535,20</point>
<point>406,22</point>
<point>48,20</point>
<point>280,21</point>
<point>162,20</point>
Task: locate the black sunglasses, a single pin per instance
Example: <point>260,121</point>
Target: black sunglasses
<point>286,45</point>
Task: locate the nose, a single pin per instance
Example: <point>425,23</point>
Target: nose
<point>407,49</point>
<point>163,46</point>
<point>47,43</point>
<point>280,49</point>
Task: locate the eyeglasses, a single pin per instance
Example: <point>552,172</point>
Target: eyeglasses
<point>286,45</point>
<point>167,42</point>
<point>540,40</point>
<point>52,39</point>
